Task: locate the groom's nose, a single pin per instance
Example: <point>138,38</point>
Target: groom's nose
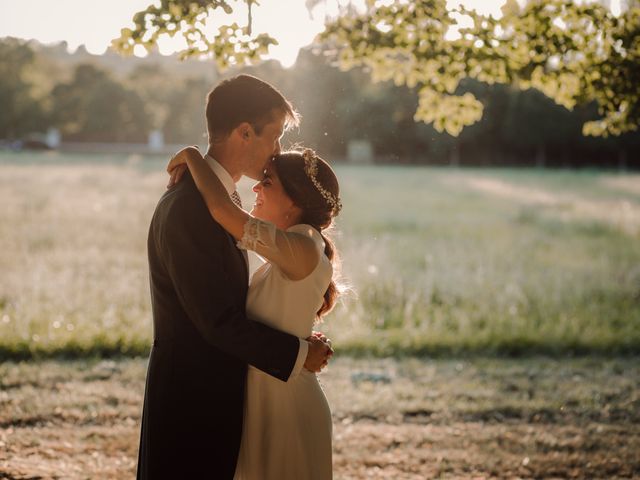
<point>257,186</point>
<point>278,148</point>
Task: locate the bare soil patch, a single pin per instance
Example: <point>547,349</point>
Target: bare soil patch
<point>397,419</point>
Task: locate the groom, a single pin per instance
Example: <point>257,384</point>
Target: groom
<point>203,340</point>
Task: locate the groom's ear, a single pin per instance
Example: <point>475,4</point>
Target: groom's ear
<point>244,130</point>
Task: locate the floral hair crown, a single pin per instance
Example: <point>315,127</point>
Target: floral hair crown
<point>311,169</point>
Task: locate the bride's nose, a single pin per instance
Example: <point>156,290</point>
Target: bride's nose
<point>257,187</point>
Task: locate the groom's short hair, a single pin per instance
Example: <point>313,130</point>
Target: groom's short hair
<point>245,98</point>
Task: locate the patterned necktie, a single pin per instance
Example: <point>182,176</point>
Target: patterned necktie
<point>236,198</point>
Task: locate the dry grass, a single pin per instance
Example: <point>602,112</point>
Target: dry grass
<point>410,419</point>
<point>620,214</point>
<point>628,183</point>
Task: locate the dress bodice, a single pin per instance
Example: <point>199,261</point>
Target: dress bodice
<point>273,298</point>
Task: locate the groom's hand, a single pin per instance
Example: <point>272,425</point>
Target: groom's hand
<point>319,352</point>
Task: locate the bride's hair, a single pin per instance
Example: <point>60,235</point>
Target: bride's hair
<point>318,207</point>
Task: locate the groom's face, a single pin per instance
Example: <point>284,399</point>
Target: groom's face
<point>264,146</point>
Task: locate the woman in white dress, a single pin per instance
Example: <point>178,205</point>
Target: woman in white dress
<point>287,426</point>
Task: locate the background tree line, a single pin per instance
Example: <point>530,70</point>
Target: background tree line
<point>113,99</point>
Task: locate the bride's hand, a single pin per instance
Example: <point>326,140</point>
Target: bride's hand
<point>324,339</point>
<point>176,174</point>
<point>328,350</point>
<point>318,354</point>
<point>178,164</point>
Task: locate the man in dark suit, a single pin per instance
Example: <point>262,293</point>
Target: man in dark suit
<point>203,340</point>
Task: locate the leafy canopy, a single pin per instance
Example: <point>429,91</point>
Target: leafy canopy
<point>233,44</point>
<point>573,53</point>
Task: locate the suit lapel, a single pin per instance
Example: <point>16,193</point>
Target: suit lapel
<point>242,254</point>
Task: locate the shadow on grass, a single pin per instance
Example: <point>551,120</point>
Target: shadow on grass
<point>382,345</point>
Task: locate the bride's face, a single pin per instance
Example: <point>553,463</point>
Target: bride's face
<point>272,202</point>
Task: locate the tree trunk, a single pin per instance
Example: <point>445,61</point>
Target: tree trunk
<point>541,156</point>
<point>622,160</point>
<point>454,156</point>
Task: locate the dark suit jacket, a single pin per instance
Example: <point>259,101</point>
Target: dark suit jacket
<point>194,396</point>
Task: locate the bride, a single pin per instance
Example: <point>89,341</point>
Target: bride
<point>287,426</point>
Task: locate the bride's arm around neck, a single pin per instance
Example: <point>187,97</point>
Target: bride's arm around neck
<point>296,254</point>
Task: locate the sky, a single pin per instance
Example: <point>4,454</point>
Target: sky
<point>95,23</point>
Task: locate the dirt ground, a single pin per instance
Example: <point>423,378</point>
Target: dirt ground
<point>396,419</point>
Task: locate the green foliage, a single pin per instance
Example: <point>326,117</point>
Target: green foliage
<point>22,111</point>
<point>574,53</point>
<point>518,126</point>
<point>233,44</point>
<point>185,122</point>
<point>95,107</point>
<point>174,103</point>
<point>154,85</point>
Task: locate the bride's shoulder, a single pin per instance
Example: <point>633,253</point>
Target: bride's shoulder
<point>305,230</point>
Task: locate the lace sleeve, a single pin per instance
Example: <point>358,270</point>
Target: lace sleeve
<point>258,234</point>
<point>294,251</point>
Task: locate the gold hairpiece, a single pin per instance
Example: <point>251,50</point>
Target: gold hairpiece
<point>311,169</point>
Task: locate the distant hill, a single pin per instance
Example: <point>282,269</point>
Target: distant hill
<point>121,66</point>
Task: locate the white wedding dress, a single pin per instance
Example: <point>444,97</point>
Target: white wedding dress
<point>287,425</point>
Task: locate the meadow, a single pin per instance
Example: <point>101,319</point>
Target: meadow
<point>439,261</point>
<point>449,272</point>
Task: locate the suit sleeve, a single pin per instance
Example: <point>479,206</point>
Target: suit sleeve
<point>193,246</point>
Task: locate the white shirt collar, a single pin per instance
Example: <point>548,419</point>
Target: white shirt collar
<point>222,174</point>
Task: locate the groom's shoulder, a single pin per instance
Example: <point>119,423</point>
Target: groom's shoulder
<point>184,204</point>
<point>183,195</point>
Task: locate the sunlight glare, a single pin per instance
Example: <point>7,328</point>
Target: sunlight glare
<point>293,28</point>
<point>168,45</point>
<point>484,7</point>
<point>616,7</point>
<point>139,51</point>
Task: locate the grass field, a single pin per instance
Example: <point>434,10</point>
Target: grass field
<point>441,261</point>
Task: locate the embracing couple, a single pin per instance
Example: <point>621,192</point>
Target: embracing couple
<point>231,390</point>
